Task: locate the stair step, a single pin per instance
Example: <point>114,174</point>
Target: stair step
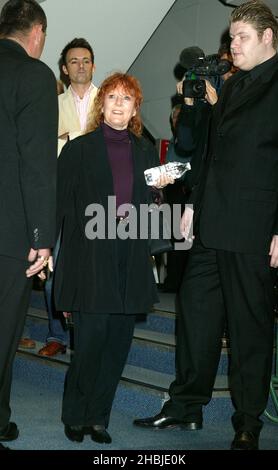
<point>155,337</point>
<point>139,333</point>
<point>159,319</point>
<point>155,381</point>
<point>149,350</point>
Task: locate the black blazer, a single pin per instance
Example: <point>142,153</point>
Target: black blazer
<point>28,152</point>
<point>238,200</point>
<point>86,277</point>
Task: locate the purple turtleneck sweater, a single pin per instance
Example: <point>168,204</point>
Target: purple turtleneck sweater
<point>119,151</point>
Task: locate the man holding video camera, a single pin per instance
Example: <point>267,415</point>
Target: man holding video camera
<point>228,275</point>
<point>200,88</point>
<point>190,134</point>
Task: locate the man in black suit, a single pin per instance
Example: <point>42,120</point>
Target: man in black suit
<point>229,272</point>
<point>28,148</point>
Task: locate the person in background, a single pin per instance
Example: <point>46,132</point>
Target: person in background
<point>60,87</point>
<point>28,148</point>
<point>175,194</point>
<point>26,342</point>
<point>78,65</point>
<point>229,276</point>
<point>224,53</point>
<point>75,105</point>
<point>112,279</point>
<point>194,120</point>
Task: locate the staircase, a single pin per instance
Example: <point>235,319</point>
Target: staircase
<point>150,366</point>
<point>143,388</point>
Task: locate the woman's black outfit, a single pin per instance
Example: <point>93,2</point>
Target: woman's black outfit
<point>104,282</point>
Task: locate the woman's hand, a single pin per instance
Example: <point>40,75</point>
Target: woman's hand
<point>163,181</point>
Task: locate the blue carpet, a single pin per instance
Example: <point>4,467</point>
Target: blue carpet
<point>36,404</point>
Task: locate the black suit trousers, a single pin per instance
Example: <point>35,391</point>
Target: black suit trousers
<point>219,287</point>
<point>101,346</point>
<point>14,300</point>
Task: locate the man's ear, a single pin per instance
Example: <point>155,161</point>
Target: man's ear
<point>37,31</point>
<point>65,70</point>
<point>267,36</point>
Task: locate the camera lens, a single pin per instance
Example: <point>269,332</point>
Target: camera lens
<point>194,88</point>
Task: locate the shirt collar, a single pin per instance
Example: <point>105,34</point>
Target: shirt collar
<point>88,92</point>
<point>263,68</point>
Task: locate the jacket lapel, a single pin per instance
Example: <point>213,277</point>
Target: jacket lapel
<point>138,168</point>
<point>72,115</point>
<point>257,87</point>
<point>99,166</point>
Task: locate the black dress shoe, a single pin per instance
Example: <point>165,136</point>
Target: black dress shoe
<point>9,432</point>
<point>99,434</point>
<point>245,440</point>
<point>74,433</point>
<point>162,421</point>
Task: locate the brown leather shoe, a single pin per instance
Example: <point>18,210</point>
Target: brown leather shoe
<point>27,343</point>
<point>52,348</point>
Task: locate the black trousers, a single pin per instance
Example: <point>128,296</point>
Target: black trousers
<point>15,291</point>
<point>102,343</point>
<point>220,286</point>
<point>101,346</point>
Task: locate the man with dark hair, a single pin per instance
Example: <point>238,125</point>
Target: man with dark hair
<point>77,63</point>
<point>228,276</point>
<point>75,105</point>
<point>28,146</point>
<point>76,43</point>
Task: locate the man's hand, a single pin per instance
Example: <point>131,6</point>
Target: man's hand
<point>40,259</point>
<point>211,95</point>
<point>273,253</point>
<point>188,101</point>
<point>186,224</point>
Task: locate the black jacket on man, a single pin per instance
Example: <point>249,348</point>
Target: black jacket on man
<point>28,155</point>
<point>28,152</point>
<point>240,197</point>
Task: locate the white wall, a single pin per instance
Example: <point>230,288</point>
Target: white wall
<point>116,29</point>
<point>273,4</point>
<point>189,23</point>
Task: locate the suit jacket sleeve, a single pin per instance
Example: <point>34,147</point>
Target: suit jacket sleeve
<point>36,126</point>
<point>184,142</point>
<point>69,166</point>
<point>155,195</point>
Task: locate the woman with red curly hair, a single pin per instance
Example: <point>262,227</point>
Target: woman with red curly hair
<point>104,281</point>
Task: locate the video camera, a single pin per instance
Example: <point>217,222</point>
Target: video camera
<point>197,65</point>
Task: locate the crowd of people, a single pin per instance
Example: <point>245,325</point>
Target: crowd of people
<point>230,137</point>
